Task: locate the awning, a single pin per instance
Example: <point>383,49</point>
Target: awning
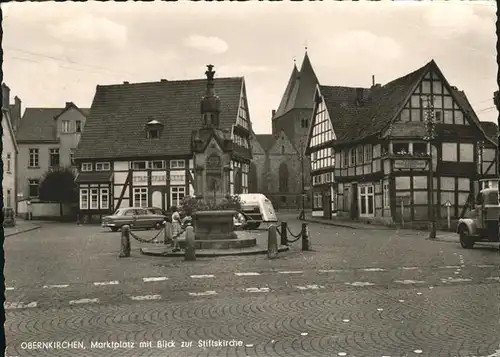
<point>94,177</point>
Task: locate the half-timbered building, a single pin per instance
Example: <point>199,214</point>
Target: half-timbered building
<point>138,148</point>
<point>382,149</point>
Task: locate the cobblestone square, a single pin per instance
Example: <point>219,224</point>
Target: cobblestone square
<point>359,292</point>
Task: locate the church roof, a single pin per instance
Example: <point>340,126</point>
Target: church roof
<point>299,92</point>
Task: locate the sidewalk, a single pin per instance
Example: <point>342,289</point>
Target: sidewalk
<point>441,236</point>
<point>22,226</point>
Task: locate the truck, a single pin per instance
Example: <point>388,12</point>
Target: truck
<point>481,223</point>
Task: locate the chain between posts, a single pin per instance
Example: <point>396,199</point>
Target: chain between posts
<point>296,236</point>
<point>152,240</point>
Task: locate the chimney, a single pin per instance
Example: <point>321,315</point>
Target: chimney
<point>273,113</point>
<point>5,96</point>
<point>16,113</point>
<point>126,82</point>
<point>359,96</point>
<point>373,80</point>
<point>68,104</point>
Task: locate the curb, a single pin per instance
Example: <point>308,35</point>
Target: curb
<point>209,254</point>
<point>23,231</point>
<point>331,224</point>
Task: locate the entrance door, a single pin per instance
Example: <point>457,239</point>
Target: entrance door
<point>327,204</point>
<point>354,201</point>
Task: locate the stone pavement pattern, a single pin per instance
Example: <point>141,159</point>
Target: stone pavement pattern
<point>369,293</point>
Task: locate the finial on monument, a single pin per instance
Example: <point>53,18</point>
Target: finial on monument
<point>210,73</point>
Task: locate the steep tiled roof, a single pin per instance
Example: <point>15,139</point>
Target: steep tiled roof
<point>380,104</point>
<point>286,99</point>
<point>463,101</point>
<point>265,140</point>
<point>38,124</point>
<point>299,92</point>
<point>115,126</point>
<point>491,129</point>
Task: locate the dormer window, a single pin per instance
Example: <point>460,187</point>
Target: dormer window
<point>154,129</point>
<point>154,134</point>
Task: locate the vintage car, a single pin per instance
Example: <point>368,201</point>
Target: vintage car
<point>136,217</point>
<point>256,209</point>
<point>481,224</point>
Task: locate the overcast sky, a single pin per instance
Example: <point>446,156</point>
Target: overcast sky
<point>59,52</point>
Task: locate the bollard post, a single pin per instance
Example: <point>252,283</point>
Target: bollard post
<point>284,233</point>
<point>306,243</point>
<point>125,242</point>
<point>189,251</point>
<point>167,233</point>
<point>272,242</point>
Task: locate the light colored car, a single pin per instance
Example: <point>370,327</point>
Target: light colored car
<point>136,217</point>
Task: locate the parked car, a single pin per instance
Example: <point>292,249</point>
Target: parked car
<point>136,217</point>
<point>161,212</point>
<point>257,208</point>
<point>481,223</point>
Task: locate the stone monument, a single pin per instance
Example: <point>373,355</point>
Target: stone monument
<point>212,148</point>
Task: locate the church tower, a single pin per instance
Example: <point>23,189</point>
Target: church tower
<point>294,113</point>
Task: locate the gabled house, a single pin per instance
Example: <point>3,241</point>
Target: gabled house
<point>9,158</point>
<point>141,139</point>
<point>47,138</point>
<point>10,151</point>
<point>382,153</point>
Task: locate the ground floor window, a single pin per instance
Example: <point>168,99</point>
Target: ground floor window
<point>94,198</point>
<point>317,200</point>
<point>177,194</point>
<point>33,188</point>
<point>104,198</point>
<point>9,198</point>
<point>84,198</point>
<point>386,196</point>
<point>140,197</point>
<point>366,201</point>
<point>244,178</point>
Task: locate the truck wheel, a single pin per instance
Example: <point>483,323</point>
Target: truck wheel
<point>114,229</point>
<point>466,241</point>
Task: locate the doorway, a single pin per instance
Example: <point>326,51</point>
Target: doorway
<point>327,204</point>
<point>354,201</point>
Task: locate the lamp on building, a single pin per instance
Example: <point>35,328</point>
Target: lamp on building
<point>430,135</point>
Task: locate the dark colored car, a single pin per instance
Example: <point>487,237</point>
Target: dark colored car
<point>136,217</point>
<point>157,210</point>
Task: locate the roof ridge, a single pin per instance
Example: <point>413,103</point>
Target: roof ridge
<point>166,81</point>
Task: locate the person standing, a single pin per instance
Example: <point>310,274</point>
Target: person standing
<point>176,227</point>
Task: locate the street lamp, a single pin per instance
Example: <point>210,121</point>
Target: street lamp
<point>430,135</point>
<point>302,215</point>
